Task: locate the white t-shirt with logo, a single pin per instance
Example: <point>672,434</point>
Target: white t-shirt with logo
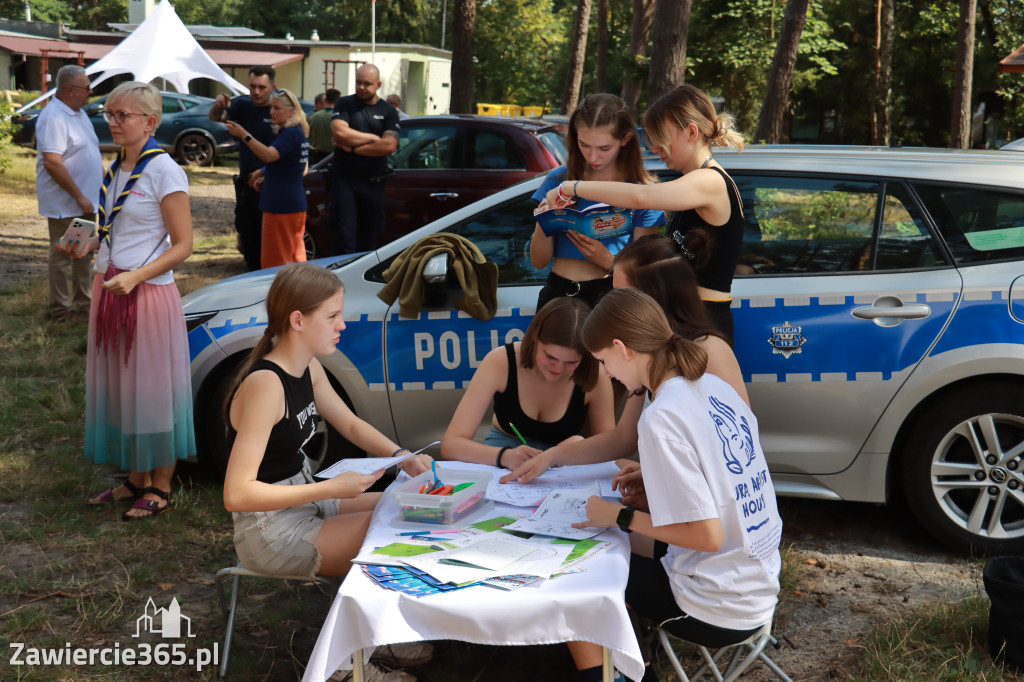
<point>62,130</point>
<point>139,234</point>
<point>701,459</point>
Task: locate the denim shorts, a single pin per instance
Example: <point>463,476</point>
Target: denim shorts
<point>283,542</point>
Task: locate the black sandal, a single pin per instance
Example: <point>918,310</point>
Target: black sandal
<point>152,506</point>
<point>107,496</point>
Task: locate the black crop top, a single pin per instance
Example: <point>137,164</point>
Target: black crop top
<point>725,248</point>
<point>508,410</point>
<point>283,457</point>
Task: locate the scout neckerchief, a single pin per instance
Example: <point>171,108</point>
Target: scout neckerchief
<point>149,150</point>
<point>116,313</point>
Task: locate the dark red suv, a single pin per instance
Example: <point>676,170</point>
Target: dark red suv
<point>442,164</point>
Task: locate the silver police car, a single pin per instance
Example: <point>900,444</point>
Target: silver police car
<point>879,315</point>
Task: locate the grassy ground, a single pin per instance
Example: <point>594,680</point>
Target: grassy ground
<point>77,575</point>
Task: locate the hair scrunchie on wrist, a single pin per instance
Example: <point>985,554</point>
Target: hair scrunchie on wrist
<point>501,452</point>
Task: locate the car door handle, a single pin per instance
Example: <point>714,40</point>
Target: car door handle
<point>890,311</point>
<point>444,196</point>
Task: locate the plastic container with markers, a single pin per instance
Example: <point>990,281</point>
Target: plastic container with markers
<point>442,510</point>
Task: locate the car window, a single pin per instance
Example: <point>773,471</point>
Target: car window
<point>171,105</point>
<point>797,225</point>
<point>493,151</point>
<point>555,143</point>
<point>978,223</point>
<point>903,239</point>
<point>503,235</point>
<point>424,148</point>
<point>187,104</point>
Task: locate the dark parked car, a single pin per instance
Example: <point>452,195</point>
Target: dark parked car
<point>185,131</point>
<point>442,164</point>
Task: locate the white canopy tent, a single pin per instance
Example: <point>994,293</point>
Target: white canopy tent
<point>160,47</point>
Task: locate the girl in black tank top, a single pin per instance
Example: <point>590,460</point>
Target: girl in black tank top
<point>282,390</point>
<point>545,390</point>
<point>682,128</point>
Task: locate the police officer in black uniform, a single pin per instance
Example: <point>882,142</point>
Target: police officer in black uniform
<point>365,131</point>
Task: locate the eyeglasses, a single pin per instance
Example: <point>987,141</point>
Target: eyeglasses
<point>81,87</point>
<point>118,117</point>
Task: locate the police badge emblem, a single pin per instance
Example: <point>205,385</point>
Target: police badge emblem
<point>786,339</point>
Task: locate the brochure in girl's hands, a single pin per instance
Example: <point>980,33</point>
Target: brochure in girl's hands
<point>597,221</point>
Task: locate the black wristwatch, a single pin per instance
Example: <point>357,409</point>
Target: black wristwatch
<point>247,138</point>
<point>625,518</point>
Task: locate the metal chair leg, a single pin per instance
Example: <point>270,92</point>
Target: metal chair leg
<point>230,627</point>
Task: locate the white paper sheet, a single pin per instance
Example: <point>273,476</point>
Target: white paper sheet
<point>558,512</point>
<point>367,465</point>
<point>559,478</point>
<point>539,559</point>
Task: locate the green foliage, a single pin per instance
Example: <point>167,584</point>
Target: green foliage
<point>6,130</point>
<point>521,50</point>
<point>42,10</point>
<point>397,21</point>
<point>730,51</point>
<point>942,642</point>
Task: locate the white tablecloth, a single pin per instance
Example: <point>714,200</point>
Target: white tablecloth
<point>587,606</point>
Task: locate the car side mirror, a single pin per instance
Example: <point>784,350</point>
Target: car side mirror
<point>435,280</point>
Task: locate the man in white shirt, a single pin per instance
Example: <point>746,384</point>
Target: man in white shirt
<point>69,171</point>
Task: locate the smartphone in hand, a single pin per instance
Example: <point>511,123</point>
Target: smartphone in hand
<point>76,239</point>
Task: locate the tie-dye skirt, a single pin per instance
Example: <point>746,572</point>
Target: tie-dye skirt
<point>138,414</point>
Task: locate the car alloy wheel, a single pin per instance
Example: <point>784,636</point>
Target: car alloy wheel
<point>965,469</point>
<point>195,149</point>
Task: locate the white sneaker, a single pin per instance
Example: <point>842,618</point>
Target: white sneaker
<point>403,654</point>
<point>373,673</point>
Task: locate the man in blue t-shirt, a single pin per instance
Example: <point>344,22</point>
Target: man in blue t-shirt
<point>253,114</point>
<point>365,130</point>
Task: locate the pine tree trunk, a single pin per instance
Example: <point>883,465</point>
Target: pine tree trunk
<point>577,55</point>
<point>668,51</point>
<point>464,25</point>
<point>960,125</point>
<point>780,75</point>
<point>601,82</point>
<point>640,32</point>
<point>881,86</point>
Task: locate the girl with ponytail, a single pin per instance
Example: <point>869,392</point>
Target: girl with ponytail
<point>704,489</point>
<point>682,128</point>
<point>285,522</point>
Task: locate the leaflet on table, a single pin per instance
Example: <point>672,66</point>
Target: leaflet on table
<point>560,478</point>
<point>583,552</point>
<point>597,221</point>
<point>367,465</point>
<point>395,553</point>
<point>558,512</point>
<point>538,559</point>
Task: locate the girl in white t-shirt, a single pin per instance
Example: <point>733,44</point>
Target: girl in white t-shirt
<point>704,487</point>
